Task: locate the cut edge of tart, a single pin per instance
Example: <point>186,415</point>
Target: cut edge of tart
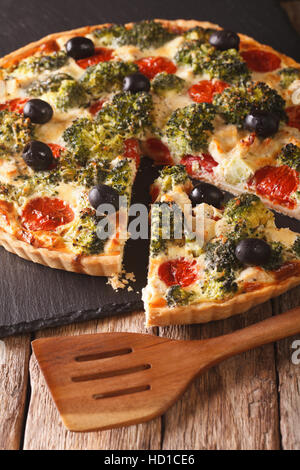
<point>196,280</point>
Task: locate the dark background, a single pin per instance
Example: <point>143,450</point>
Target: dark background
<point>33,296</point>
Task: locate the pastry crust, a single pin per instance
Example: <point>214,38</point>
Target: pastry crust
<point>105,265</point>
<point>99,265</point>
<point>211,311</point>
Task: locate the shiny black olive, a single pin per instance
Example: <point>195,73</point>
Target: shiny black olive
<point>38,155</point>
<point>38,111</point>
<point>253,251</point>
<point>136,82</point>
<point>263,123</point>
<point>80,47</point>
<point>224,40</point>
<point>103,194</point>
<point>205,192</point>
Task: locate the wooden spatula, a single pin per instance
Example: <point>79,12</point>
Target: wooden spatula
<point>107,380</point>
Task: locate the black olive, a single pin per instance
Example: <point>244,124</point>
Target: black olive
<point>38,111</point>
<point>224,40</point>
<point>263,123</point>
<point>136,82</point>
<point>253,251</point>
<point>103,194</point>
<point>38,155</point>
<point>205,192</point>
<point>80,47</point>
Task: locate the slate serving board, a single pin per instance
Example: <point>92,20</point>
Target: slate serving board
<point>34,296</point>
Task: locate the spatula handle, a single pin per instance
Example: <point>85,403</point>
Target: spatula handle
<point>269,330</point>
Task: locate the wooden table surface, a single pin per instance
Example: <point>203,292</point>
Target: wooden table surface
<point>248,402</point>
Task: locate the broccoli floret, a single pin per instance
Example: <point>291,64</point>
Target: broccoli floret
<point>83,235</point>
<point>49,85</point>
<point>164,82</point>
<point>38,64</point>
<point>15,132</point>
<point>148,34</point>
<point>203,58</point>
<point>106,76</point>
<point>190,53</point>
<point>246,216</point>
<point>127,114</point>
<point>290,155</point>
<point>87,138</point>
<point>157,246</point>
<point>158,242</point>
<point>198,34</point>
<point>114,35</point>
<point>219,287</point>
<point>276,259</point>
<point>145,34</point>
<point>288,75</point>
<point>65,91</point>
<point>235,102</point>
<point>176,295</point>
<point>9,192</point>
<point>171,176</point>
<point>166,225</point>
<point>226,65</point>
<point>120,177</point>
<point>221,265</point>
<point>188,128</point>
<point>220,255</point>
<point>296,246</point>
<point>94,172</point>
<point>70,95</point>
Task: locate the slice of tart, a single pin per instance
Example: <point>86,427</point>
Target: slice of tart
<point>221,261</point>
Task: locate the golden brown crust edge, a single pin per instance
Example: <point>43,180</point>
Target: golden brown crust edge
<point>211,311</point>
<point>94,265</point>
<point>101,265</point>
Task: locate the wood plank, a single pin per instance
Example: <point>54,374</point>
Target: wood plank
<point>14,362</point>
<point>44,429</point>
<point>289,379</point>
<point>234,405</point>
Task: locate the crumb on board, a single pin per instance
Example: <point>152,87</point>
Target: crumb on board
<point>121,280</point>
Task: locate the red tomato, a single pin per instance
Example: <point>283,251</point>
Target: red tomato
<point>102,54</point>
<point>261,61</point>
<point>16,105</point>
<point>176,29</point>
<point>95,107</point>
<point>44,213</point>
<point>48,47</point>
<point>151,66</point>
<point>293,113</point>
<point>204,91</point>
<point>197,165</point>
<point>178,272</point>
<point>158,151</point>
<point>56,149</point>
<point>276,183</point>
<point>132,150</point>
